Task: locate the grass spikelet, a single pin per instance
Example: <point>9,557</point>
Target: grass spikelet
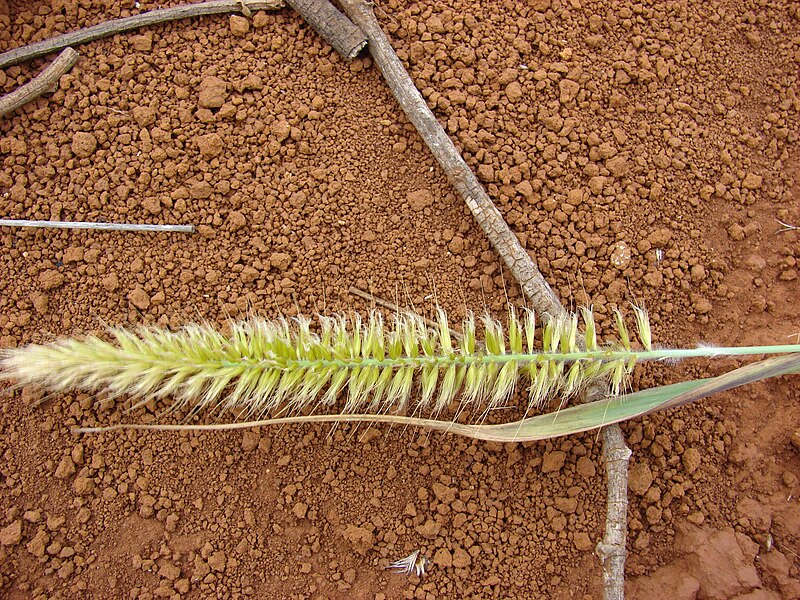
<point>295,365</point>
<point>643,327</point>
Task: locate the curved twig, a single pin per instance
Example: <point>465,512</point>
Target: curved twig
<point>41,84</point>
<point>153,17</point>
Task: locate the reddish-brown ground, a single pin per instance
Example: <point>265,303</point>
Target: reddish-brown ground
<point>640,151</point>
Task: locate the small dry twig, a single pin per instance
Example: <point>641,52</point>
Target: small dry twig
<point>98,226</point>
<point>43,83</point>
<point>395,308</point>
<point>786,227</point>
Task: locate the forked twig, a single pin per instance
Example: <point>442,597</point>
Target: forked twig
<point>786,227</point>
<point>612,548</point>
<point>45,81</point>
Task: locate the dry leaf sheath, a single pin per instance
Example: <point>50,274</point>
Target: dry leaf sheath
<point>285,365</point>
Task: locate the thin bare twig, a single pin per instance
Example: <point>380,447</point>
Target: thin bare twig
<point>395,308</point>
<point>153,17</point>
<point>44,82</point>
<point>786,227</point>
<point>611,549</point>
<point>99,226</point>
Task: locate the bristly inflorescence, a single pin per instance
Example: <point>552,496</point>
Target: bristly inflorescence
<point>371,365</point>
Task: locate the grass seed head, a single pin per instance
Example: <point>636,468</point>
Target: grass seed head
<point>293,365</point>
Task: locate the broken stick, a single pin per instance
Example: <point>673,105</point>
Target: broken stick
<point>44,82</point>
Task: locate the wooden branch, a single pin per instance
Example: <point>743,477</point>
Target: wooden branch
<point>98,226</point>
<point>153,17</point>
<point>611,549</point>
<point>44,82</point>
<point>335,28</point>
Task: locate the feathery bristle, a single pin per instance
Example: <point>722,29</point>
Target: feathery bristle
<point>288,365</point>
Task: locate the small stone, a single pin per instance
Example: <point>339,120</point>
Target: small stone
<point>83,486</point>
<point>139,298</point>
<point>585,467</point>
<point>514,91</point>
<point>236,220</point>
<point>752,181</point>
<point>654,514</point>
<point>419,199</point>
<point>32,516</point>
<point>617,165</point>
<point>41,302</point>
<point>281,130</point>
<point>660,237</point>
<point>218,560</point>
<point>250,440</point>
<point>280,260</point>
<point>486,173</point>
<point>200,190</point>
<point>152,205</point>
<point>169,571</point>
<point>212,92</point>
<point>38,544</point>
<point>795,439</point>
<point>640,477</point>
<point>84,144</point>
<point>429,530</point>
<point>443,558</point>
<point>51,279</point>
<point>239,25</point>
<point>110,282</point>
<point>444,494</point>
<point>582,541</point>
<point>621,255</point>
<point>525,188</point>
<point>698,273</point>
<point>456,245</point>
<point>11,535</point>
<point>142,43</point>
<point>210,145</point>
<point>597,184</point>
<point>736,232</point>
<point>73,254</point>
<point>753,38</point>
<point>65,468</point>
<point>144,115</point>
<point>249,274</point>
<point>553,461</point>
<point>691,459</point>
<point>702,306</point>
<point>300,509</point>
<point>461,558</point>
<point>361,539</point>
<point>568,90</point>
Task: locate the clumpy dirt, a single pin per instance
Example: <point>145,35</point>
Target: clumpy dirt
<point>640,152</point>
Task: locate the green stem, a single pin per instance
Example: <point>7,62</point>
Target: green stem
<point>544,357</point>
